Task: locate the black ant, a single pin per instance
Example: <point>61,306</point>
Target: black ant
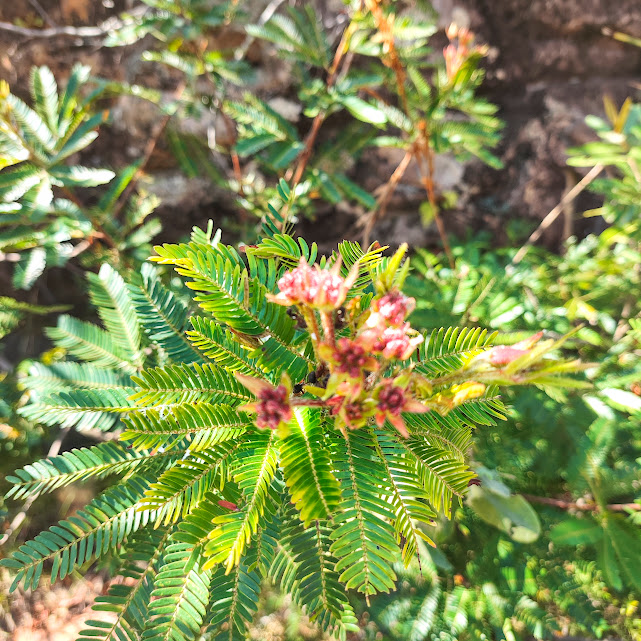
<point>299,387</point>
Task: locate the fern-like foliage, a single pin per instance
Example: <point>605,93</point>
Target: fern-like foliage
<point>585,451</point>
<point>42,217</point>
<point>143,323</point>
<point>211,501</point>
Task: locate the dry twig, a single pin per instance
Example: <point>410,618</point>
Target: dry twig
<point>99,31</point>
<point>296,173</point>
<point>18,519</point>
<point>553,215</point>
<point>147,153</point>
<point>584,507</point>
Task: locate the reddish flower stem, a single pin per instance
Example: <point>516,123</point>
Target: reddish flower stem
<point>584,507</point>
<point>327,320</point>
<point>314,330</point>
<point>308,402</point>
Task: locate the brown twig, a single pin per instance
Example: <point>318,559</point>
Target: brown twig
<point>101,230</point>
<point>386,195</point>
<point>238,172</point>
<point>392,60</point>
<point>303,159</point>
<point>553,215</point>
<point>296,174</point>
<point>422,150</point>
<point>18,519</point>
<point>81,247</point>
<point>42,13</point>
<point>327,322</point>
<point>545,223</point>
<point>147,153</point>
<point>265,16</point>
<point>568,209</point>
<point>584,507</point>
<point>428,182</point>
<point>99,31</point>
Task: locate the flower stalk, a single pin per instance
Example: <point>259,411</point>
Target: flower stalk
<point>368,375</point>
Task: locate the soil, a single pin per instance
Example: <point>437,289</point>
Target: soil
<point>550,65</point>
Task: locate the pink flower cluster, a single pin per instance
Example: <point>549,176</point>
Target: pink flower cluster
<point>386,331</point>
<point>394,307</point>
<point>391,401</point>
<point>457,54</point>
<point>351,413</point>
<point>314,287</point>
<point>354,391</point>
<point>394,342</point>
<point>272,404</point>
<point>350,358</point>
<point>273,407</point>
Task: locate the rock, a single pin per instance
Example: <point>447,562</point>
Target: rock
<point>178,192</point>
<point>552,67</point>
<point>288,109</point>
<point>448,171</point>
<point>558,38</point>
<point>450,11</point>
<point>134,116</point>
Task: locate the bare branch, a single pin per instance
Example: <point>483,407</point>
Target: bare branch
<point>584,507</point>
<point>99,31</point>
<point>552,216</point>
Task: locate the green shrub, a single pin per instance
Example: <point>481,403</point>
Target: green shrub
<point>42,217</point>
<point>371,447</point>
<point>574,457</point>
<point>355,465</point>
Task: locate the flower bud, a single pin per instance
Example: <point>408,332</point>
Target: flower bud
<point>349,357</point>
<point>394,307</point>
<point>505,354</point>
<point>323,289</point>
<point>272,403</point>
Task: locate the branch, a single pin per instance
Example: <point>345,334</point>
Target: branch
<point>22,515</point>
<point>265,16</point>
<point>367,222</point>
<point>421,150</point>
<point>428,182</point>
<point>320,118</point>
<point>148,151</point>
<point>102,233</point>
<point>305,155</point>
<point>112,24</point>
<point>552,216</point>
<point>584,507</point>
<point>42,13</point>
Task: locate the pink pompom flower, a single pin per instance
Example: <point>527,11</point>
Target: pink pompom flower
<point>352,413</point>
<point>272,404</point>
<point>391,401</point>
<point>393,307</point>
<point>349,357</point>
<point>323,289</point>
<point>391,342</point>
